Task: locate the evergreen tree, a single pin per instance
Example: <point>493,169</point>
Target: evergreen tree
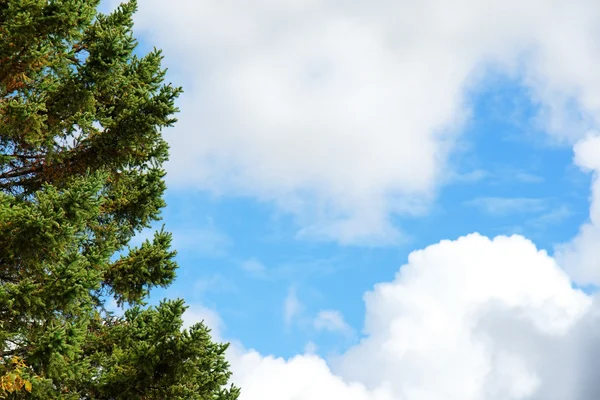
<point>81,156</point>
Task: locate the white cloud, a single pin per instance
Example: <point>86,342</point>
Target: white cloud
<point>508,205</point>
<point>471,319</point>
<point>332,321</point>
<point>580,256</point>
<point>432,320</point>
<point>300,378</point>
<point>344,114</point>
<point>292,307</point>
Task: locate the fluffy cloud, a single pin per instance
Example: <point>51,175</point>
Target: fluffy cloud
<point>580,256</point>
<point>345,113</point>
<point>471,319</point>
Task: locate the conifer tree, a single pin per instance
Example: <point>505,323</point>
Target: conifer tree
<point>81,156</point>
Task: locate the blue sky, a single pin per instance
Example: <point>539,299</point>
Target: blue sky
<point>387,200</point>
<point>518,186</point>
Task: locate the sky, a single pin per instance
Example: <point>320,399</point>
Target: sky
<point>376,200</point>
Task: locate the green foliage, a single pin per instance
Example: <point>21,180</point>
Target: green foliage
<point>81,154</point>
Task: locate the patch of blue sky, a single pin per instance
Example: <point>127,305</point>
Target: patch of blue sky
<point>520,185</point>
<point>240,256</point>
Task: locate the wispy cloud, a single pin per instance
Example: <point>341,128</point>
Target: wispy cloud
<point>499,176</point>
<point>473,176</point>
<point>332,321</point>
<point>551,217</point>
<point>526,177</point>
<point>292,307</point>
<point>500,206</point>
<point>310,348</point>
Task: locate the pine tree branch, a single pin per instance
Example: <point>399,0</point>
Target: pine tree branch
<point>21,172</point>
<point>25,157</point>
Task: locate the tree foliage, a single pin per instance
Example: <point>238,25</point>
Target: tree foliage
<point>81,156</point>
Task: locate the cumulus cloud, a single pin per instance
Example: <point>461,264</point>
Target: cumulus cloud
<point>471,319</point>
<point>344,114</point>
<point>580,256</point>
